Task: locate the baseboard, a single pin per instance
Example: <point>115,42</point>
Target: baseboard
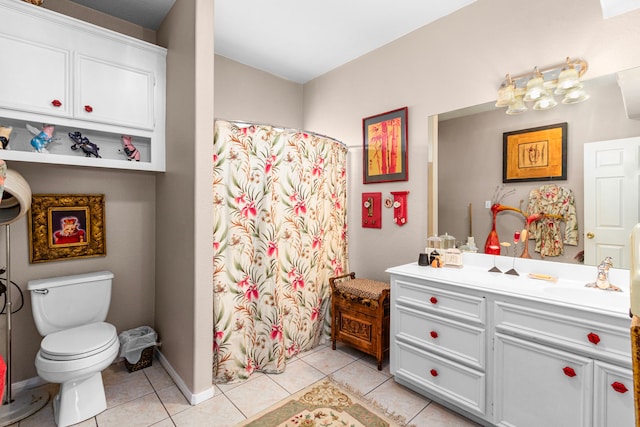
<point>27,384</point>
<point>193,399</point>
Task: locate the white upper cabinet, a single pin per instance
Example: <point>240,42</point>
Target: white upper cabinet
<point>35,77</point>
<point>80,77</point>
<point>113,93</point>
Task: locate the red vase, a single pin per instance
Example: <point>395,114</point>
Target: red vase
<point>492,245</point>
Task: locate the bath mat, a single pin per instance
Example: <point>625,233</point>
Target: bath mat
<point>325,404</point>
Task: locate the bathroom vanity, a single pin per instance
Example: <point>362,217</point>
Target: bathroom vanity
<point>510,350</point>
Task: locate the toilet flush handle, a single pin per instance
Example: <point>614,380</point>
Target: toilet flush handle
<point>41,291</point>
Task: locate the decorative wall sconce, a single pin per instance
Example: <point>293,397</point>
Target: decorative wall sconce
<point>400,207</point>
<point>372,210</point>
<point>540,86</point>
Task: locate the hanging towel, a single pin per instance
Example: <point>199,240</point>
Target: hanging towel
<point>557,200</point>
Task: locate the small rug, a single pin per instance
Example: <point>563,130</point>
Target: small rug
<point>324,404</point>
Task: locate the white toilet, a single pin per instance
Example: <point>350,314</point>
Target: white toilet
<point>78,345</point>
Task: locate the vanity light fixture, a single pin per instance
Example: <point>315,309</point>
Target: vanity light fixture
<point>541,85</point>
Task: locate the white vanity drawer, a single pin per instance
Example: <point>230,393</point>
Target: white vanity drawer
<point>453,382</point>
<point>599,339</point>
<point>439,301</point>
<point>452,339</point>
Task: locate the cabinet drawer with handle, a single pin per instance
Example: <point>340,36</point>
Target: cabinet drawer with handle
<point>459,341</point>
<point>598,339</point>
<point>440,301</point>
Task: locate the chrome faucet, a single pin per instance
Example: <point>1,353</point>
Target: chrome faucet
<point>602,281</point>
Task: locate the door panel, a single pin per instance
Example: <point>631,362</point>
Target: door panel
<point>611,208</point>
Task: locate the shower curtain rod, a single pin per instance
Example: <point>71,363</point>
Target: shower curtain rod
<point>244,122</point>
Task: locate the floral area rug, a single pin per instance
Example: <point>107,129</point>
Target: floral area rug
<point>324,404</point>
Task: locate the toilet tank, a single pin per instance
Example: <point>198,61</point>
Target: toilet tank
<point>60,303</point>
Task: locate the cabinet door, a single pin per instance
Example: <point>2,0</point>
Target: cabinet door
<point>113,93</point>
<point>34,77</point>
<point>613,396</point>
<point>538,386</point>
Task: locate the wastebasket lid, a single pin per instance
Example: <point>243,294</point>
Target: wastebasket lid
<point>83,340</point>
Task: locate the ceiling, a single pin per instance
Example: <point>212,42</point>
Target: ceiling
<point>300,40</point>
<point>295,39</point>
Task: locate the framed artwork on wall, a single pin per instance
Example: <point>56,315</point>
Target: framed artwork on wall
<point>385,157</point>
<point>536,154</point>
<point>66,226</point>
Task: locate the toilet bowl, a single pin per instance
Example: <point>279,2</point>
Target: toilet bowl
<point>78,345</point>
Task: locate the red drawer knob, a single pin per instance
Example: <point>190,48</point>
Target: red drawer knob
<point>56,103</point>
<point>569,371</point>
<point>434,334</point>
<point>88,108</point>
<point>619,387</point>
<point>433,300</point>
<point>593,338</point>
<point>433,373</point>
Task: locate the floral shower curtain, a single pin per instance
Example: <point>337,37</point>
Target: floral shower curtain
<point>279,235</point>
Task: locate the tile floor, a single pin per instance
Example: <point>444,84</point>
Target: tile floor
<point>149,397</point>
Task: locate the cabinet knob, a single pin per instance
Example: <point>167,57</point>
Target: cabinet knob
<point>593,338</point>
<point>88,108</point>
<point>569,371</point>
<point>619,387</point>
<point>434,334</point>
<point>56,103</point>
<point>433,373</point>
<point>433,300</point>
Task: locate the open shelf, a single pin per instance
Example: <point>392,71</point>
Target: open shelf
<point>60,152</point>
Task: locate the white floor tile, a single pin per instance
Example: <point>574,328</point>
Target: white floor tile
<point>149,397</point>
<point>360,377</point>
<point>435,415</point>
<point>257,395</point>
<point>218,412</point>
<point>297,376</point>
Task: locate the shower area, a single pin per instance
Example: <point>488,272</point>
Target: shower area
<point>280,233</point>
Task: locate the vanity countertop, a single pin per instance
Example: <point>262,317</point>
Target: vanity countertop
<point>569,289</point>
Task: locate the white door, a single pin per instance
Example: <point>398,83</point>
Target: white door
<point>611,172</point>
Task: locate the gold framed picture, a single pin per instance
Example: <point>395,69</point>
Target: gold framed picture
<point>536,154</point>
<point>66,226</point>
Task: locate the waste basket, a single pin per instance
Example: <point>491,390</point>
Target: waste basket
<point>136,346</point>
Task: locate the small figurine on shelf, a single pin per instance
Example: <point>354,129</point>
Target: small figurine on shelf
<point>82,142</point>
<point>5,134</point>
<point>129,149</point>
<point>42,138</point>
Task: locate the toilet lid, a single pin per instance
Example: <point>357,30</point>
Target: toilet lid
<point>78,342</point>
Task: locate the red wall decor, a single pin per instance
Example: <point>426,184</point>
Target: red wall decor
<point>400,207</point>
<point>372,210</point>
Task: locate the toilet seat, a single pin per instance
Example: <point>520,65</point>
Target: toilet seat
<point>79,342</point>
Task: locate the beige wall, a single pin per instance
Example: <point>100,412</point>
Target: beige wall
<point>247,94</point>
<point>184,208</point>
<point>456,62</point>
<point>470,160</point>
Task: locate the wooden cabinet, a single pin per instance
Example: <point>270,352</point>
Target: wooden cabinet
<point>510,353</point>
<point>80,77</point>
